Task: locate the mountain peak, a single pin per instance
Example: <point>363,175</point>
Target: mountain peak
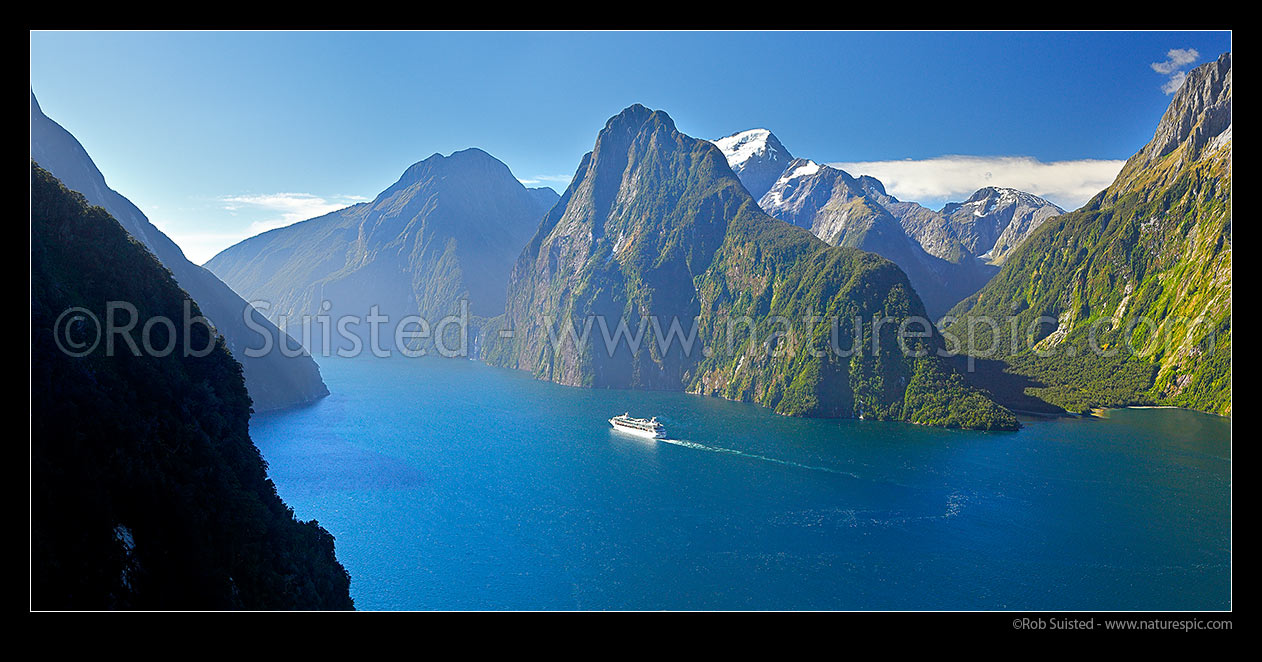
<point>996,219</point>
<point>870,183</point>
<point>655,226</point>
<point>469,154</point>
<point>742,146</point>
<point>467,160</point>
<point>1199,112</point>
<point>757,157</point>
<point>447,231</point>
<point>635,116</point>
<point>1000,196</point>
<point>989,193</point>
<point>621,129</point>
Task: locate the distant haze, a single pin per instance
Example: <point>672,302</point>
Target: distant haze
<point>931,182</point>
<point>218,135</point>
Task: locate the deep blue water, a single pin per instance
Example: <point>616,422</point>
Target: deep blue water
<point>452,485</point>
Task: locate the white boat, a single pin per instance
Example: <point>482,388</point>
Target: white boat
<point>638,426</point>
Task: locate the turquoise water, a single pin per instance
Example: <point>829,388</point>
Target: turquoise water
<point>452,485</point>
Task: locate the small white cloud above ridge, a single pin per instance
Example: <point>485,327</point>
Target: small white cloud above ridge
<point>541,179</point>
<point>291,207</point>
<point>1175,67</point>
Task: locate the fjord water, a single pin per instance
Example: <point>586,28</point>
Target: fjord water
<point>452,485</point>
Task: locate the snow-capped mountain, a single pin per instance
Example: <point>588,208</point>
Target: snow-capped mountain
<point>993,221</point>
<point>847,211</point>
<point>824,200</point>
<point>757,158</point>
<point>947,254</point>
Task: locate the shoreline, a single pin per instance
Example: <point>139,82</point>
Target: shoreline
<point>1100,412</point>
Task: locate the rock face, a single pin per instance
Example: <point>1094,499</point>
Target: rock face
<point>274,380</point>
<point>925,226</point>
<point>1200,114</point>
<point>447,231</point>
<point>146,490</point>
<point>1142,271</point>
<point>844,211</point>
<point>656,232</point>
<point>948,254</point>
<point>544,197</point>
<point>993,221</point>
<point>757,158</point>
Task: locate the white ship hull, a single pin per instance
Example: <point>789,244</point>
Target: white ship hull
<point>648,434</point>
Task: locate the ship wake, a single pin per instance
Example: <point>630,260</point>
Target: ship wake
<point>753,456</point>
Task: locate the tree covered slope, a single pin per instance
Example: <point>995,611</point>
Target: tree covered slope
<point>1135,287</point>
<point>274,379</point>
<point>146,490</point>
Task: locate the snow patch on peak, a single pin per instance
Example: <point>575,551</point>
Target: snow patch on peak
<point>806,170</point>
<point>992,198</point>
<point>757,158</point>
<point>745,145</point>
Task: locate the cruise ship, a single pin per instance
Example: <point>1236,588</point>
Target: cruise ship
<point>638,426</point>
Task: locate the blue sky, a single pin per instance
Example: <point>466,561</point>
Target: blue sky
<point>217,136</point>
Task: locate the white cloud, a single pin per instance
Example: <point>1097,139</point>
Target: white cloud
<point>1175,66</point>
<point>935,181</point>
<point>1176,81</point>
<point>1176,58</point>
<point>269,211</point>
<point>199,247</point>
<point>291,207</point>
<point>564,180</point>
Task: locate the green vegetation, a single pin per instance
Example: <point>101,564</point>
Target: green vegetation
<point>1134,288</point>
<point>832,367</point>
<point>275,380</point>
<point>146,491</point>
<point>857,213</point>
<point>656,227</point>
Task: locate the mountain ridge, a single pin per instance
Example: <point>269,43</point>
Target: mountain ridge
<point>275,381</point>
<point>446,231</point>
<point>994,220</point>
<point>146,489</point>
<point>948,254</point>
<point>651,210</point>
<point>1135,285</point>
<point>844,211</point>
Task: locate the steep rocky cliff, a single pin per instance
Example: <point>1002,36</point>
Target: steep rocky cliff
<point>1135,287</point>
<point>656,231</point>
